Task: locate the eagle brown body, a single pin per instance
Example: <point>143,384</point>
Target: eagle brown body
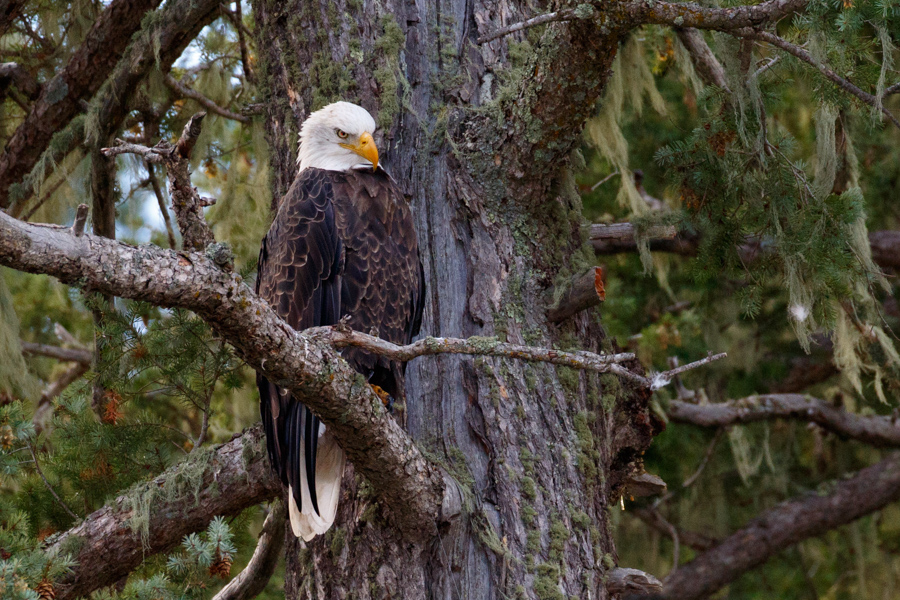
<point>342,244</point>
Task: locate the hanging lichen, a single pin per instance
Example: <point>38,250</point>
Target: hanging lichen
<point>15,379</point>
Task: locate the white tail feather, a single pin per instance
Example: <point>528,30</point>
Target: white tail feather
<point>330,462</point>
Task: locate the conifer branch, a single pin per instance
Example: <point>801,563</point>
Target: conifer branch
<point>824,69</point>
<point>877,431</point>
<point>778,528</point>
<point>113,541</point>
<point>250,582</point>
<point>186,92</point>
<point>58,386</point>
<point>37,467</point>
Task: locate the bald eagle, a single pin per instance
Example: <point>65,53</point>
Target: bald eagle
<point>342,244</point>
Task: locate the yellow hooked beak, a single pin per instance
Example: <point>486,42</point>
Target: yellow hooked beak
<point>365,148</point>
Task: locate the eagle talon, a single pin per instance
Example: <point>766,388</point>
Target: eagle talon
<point>386,399</point>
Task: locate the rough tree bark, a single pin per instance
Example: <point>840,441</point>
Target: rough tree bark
<point>542,452</point>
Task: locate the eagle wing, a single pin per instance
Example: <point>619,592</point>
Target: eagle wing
<point>383,283</point>
<point>299,274</point>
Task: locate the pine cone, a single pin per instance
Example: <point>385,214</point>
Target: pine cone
<point>221,567</point>
<point>7,437</point>
<point>45,590</point>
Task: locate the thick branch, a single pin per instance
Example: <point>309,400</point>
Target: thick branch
<point>885,246</point>
<point>80,79</point>
<point>109,543</point>
<point>205,102</point>
<point>688,14</point>
<point>583,292</point>
<point>9,10</point>
<point>253,579</point>
<point>68,354</point>
<point>871,489</point>
<point>410,488</point>
<point>874,430</point>
<point>608,239</point>
<point>13,74</point>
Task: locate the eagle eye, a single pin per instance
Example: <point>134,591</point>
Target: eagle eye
<point>341,134</point>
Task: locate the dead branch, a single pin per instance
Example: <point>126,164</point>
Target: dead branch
<point>187,202</point>
<point>583,292</point>
<point>869,490</point>
<point>874,430</point>
<point>341,337</point>
<point>111,541</point>
<point>659,380</point>
<point>562,15</point>
<point>253,579</point>
<point>186,92</point>
<point>605,237</point>
<point>66,354</point>
<point>81,215</point>
<point>623,582</point>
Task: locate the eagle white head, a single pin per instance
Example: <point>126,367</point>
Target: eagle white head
<point>338,138</point>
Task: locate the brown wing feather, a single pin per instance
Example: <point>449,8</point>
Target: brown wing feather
<point>382,283</point>
<point>299,274</point>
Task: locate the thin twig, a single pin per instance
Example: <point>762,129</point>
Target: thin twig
<point>766,67</point>
<point>44,198</point>
<point>562,15</point>
<point>187,92</point>
<point>604,180</point>
<point>662,379</point>
<point>242,41</point>
<point>161,201</point>
<point>709,452</point>
<point>153,155</point>
<point>341,337</point>
<point>37,468</point>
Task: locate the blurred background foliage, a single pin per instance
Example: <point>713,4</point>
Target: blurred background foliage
<point>720,165</point>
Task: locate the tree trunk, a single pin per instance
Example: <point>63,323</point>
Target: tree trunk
<point>541,452</point>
